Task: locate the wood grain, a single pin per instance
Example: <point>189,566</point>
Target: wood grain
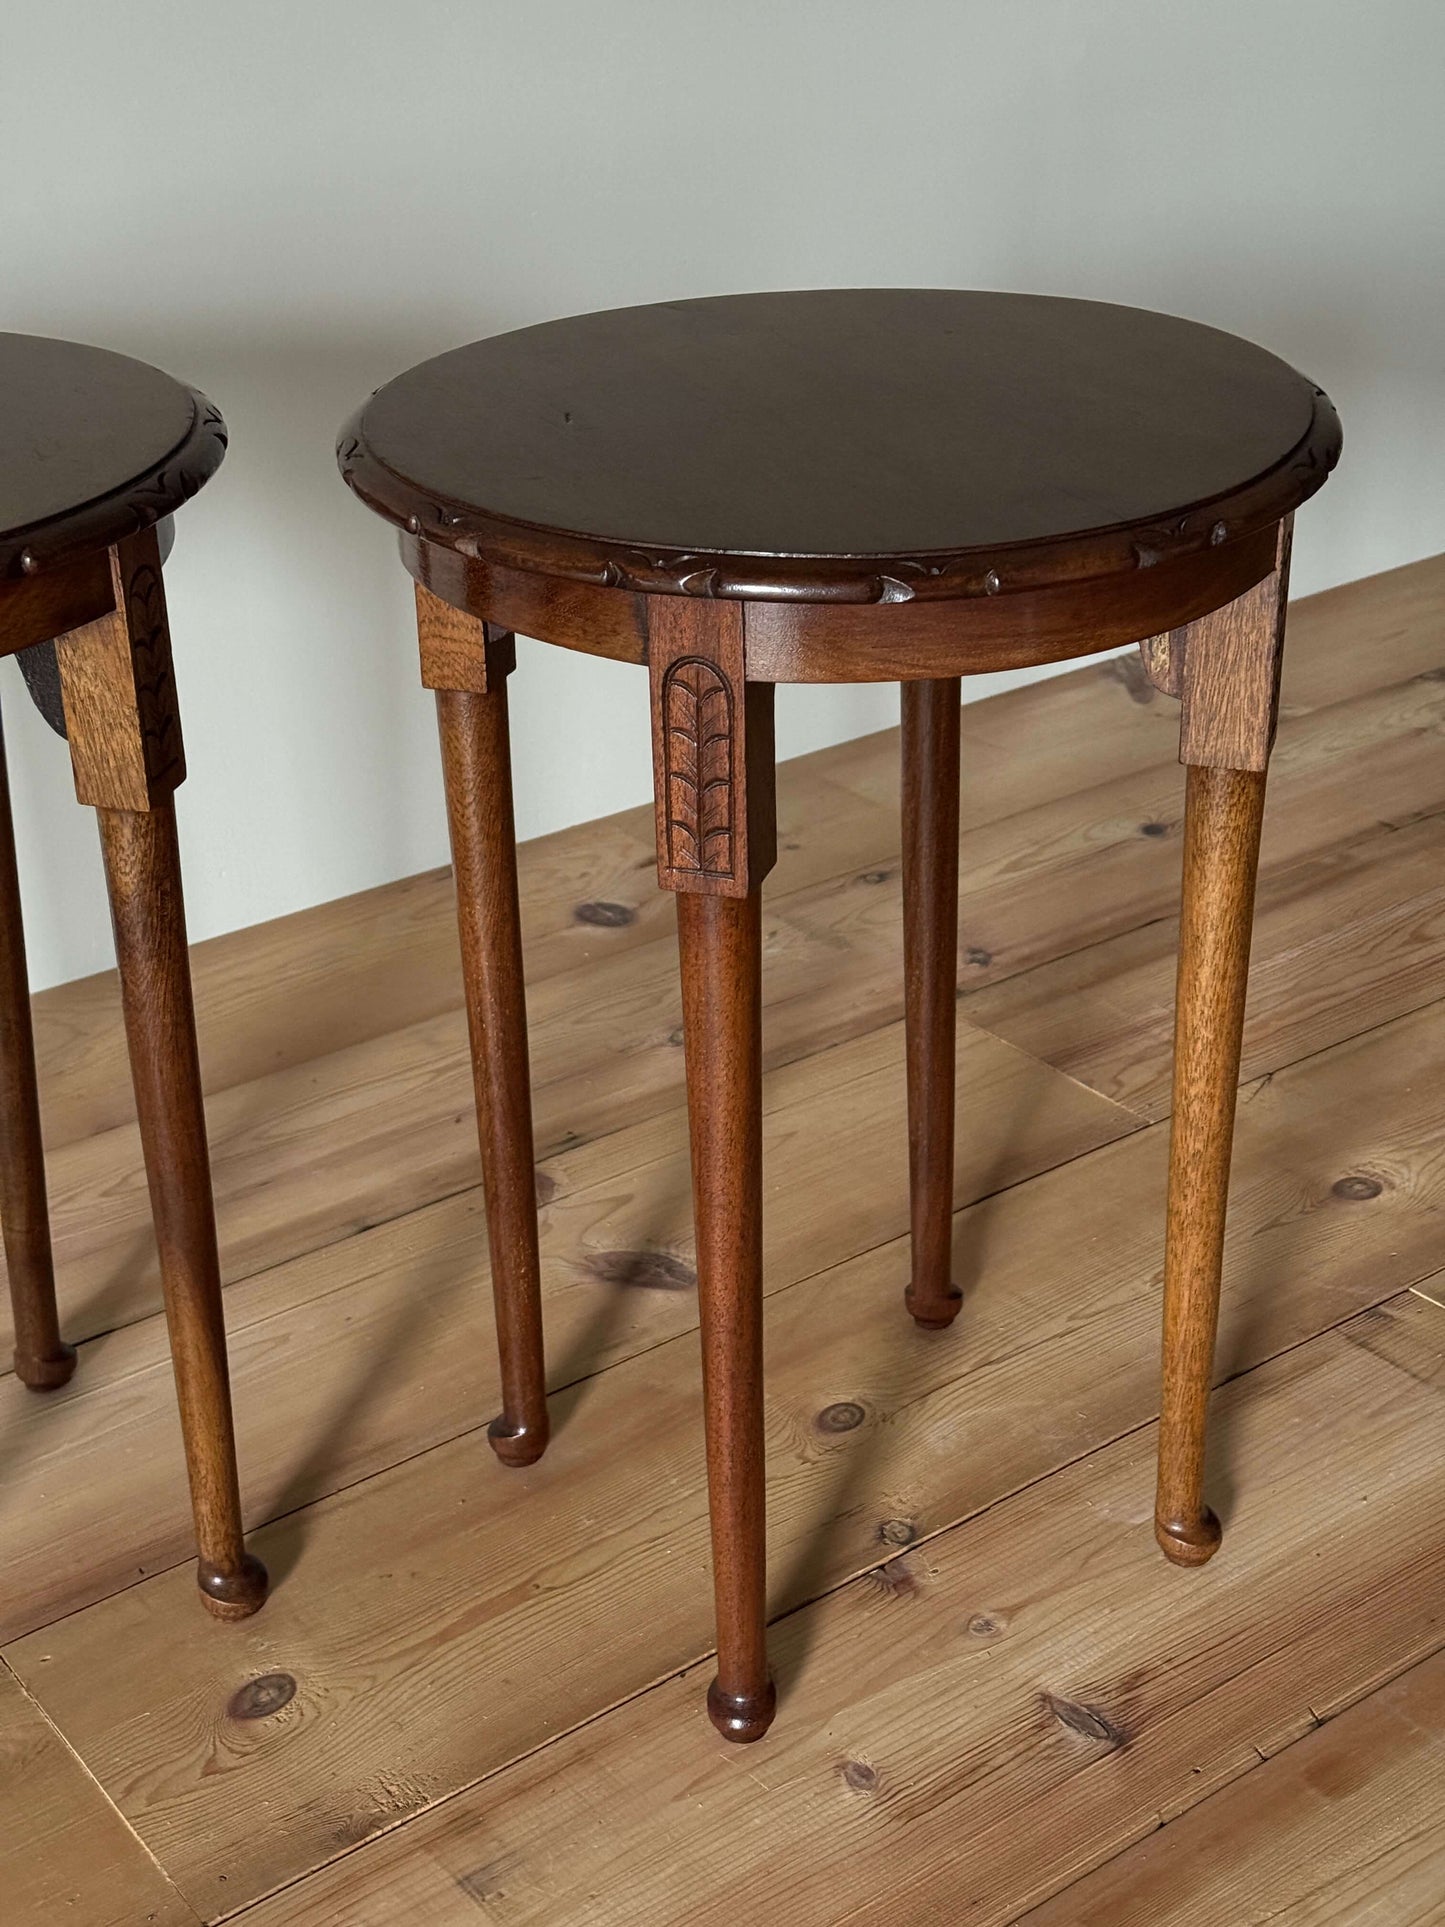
<point>380,1345</point>
<point>37,608</point>
<point>712,751</point>
<point>477,767</point>
<point>968,1726</point>
<point>65,1853</point>
<point>720,953</point>
<point>605,1045</point>
<point>372,1347</point>
<point>322,979</point>
<point>930,741</point>
<point>980,633</point>
<point>1346,1825</point>
<point>97,446</point>
<point>119,688</point>
<point>354,971</point>
<point>697,448</point>
<point>464,1591</point>
<point>143,876</point>
<point>457,652</point>
<point>1360,921</point>
<point>1223,813</point>
<point>42,1358</point>
<point>1225,666</point>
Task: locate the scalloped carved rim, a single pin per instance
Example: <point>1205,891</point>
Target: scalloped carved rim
<point>1258,503</point>
<point>144,500</point>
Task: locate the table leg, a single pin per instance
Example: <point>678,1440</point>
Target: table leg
<point>42,1359</point>
<point>476,760</point>
<point>142,864</point>
<point>720,942</point>
<point>125,746</point>
<point>1225,667</point>
<point>930,971</point>
<point>713,760</point>
<point>1223,812</point>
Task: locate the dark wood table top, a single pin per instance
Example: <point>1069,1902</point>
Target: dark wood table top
<point>842,444</point>
<point>93,446</point>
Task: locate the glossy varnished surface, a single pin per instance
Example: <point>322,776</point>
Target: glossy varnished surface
<point>93,447</point>
<point>864,445</point>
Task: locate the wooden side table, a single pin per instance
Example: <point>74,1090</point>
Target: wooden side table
<point>96,451</point>
<point>844,486</point>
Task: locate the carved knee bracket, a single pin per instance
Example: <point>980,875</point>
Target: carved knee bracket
<point>1225,670</point>
<point>712,750</point>
<point>119,689</point>
<point>459,651</point>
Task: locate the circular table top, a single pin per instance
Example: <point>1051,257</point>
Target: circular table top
<point>848,444</point>
<point>93,446</point>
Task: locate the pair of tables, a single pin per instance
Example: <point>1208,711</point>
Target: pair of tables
<point>836,486</point>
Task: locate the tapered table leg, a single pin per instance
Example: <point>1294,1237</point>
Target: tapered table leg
<point>930,970</point>
<point>1223,812</point>
<point>720,940</point>
<point>42,1359</point>
<point>143,871</point>
<point>476,760</point>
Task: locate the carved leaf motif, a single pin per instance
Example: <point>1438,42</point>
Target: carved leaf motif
<point>697,710</point>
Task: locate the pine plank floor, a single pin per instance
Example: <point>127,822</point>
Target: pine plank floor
<point>997,1701</point>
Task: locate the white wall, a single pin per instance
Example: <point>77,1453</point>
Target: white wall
<point>289,201</point>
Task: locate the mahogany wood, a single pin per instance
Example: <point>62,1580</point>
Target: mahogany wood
<point>119,689</point>
<point>97,452</point>
<point>865,445</point>
<point>815,641</point>
<point>849,642</point>
<point>931,718</point>
<point>1222,816</point>
<point>143,872</point>
<point>42,1358</point>
<point>861,485</point>
<point>577,615</point>
<point>37,608</point>
<point>712,751</point>
<point>457,651</point>
<point>1226,667</point>
<point>720,942</point>
<point>476,761</point>
<point>96,447</point>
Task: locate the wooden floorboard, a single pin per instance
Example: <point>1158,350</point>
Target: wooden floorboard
<point>311,1153</point>
<point>1356,929</point>
<point>433,1611</point>
<point>307,985</point>
<point>992,1685</point>
<point>986,1718</point>
<point>65,1853</point>
<point>370,1350</point>
<point>1345,1827</point>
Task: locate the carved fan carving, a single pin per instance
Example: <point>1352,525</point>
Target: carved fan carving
<point>697,708</point>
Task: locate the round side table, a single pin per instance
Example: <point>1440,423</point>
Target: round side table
<point>838,486</point>
<point>96,451</point>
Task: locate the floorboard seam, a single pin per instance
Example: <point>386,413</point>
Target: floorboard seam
<point>850,1579</point>
<point>80,1760</point>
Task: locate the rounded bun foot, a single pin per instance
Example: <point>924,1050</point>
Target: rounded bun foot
<point>45,1374</point>
<point>933,1314</point>
<point>517,1444</point>
<point>236,1594</point>
<point>1189,1542</point>
<point>741,1716</point>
